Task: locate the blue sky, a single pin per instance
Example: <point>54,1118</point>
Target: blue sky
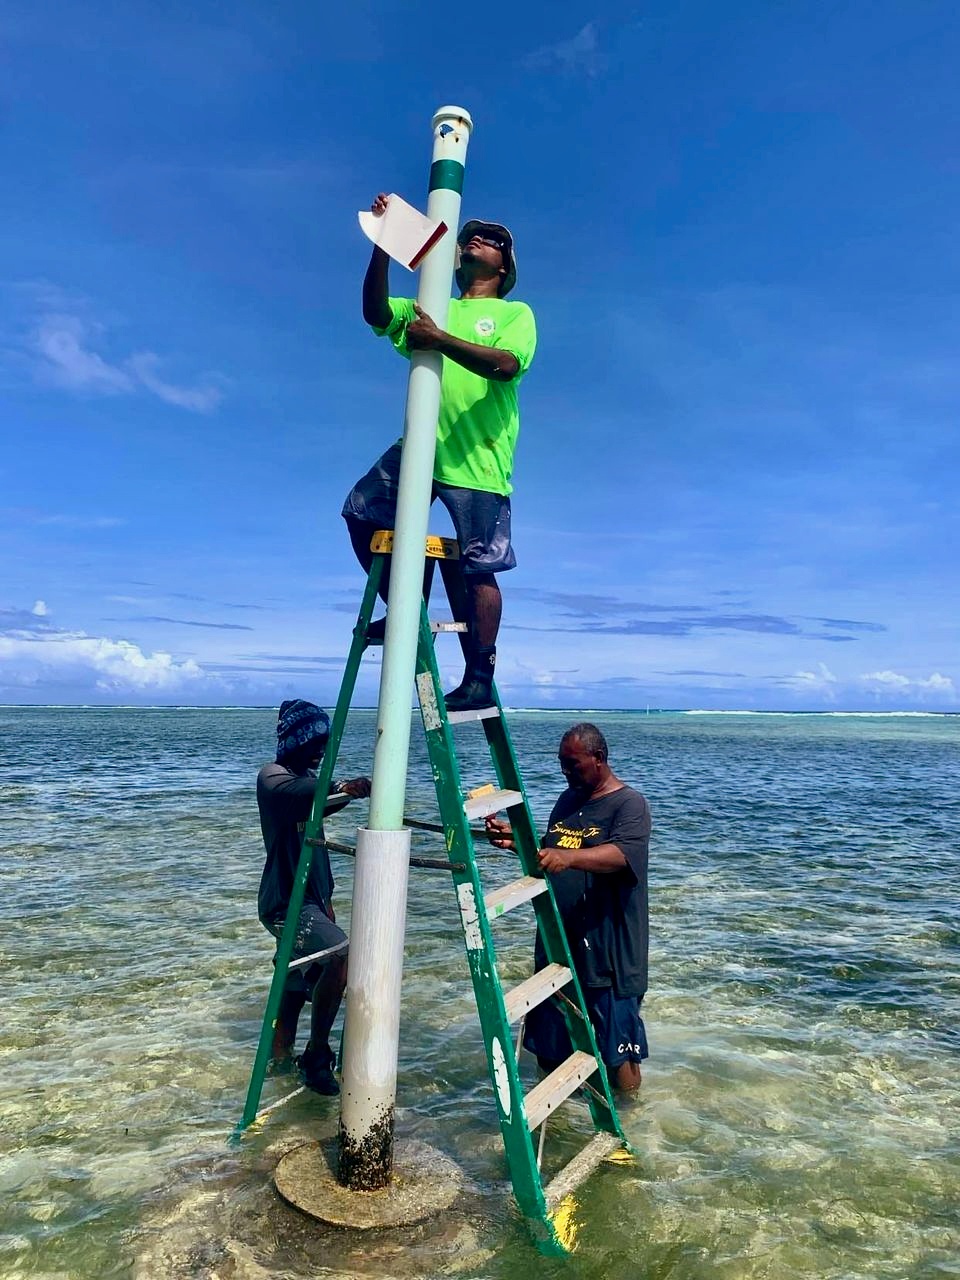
<point>735,486</point>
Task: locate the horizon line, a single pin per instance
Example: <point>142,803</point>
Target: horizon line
<point>639,711</point>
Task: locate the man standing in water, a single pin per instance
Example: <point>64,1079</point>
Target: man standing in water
<point>487,345</point>
<point>595,854</point>
<point>285,792</point>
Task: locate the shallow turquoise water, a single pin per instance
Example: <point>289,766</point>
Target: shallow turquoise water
<point>798,1116</point>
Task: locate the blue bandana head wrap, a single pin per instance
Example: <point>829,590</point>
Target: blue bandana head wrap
<point>298,724</point>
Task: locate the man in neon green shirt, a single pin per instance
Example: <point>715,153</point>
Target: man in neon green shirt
<point>488,345</point>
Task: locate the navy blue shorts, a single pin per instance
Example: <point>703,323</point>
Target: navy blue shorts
<point>315,932</point>
<point>621,1036</point>
<point>481,520</point>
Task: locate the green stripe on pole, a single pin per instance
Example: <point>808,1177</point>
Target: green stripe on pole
<point>446,175</point>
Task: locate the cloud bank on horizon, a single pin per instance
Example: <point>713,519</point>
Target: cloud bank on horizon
<point>735,471</point>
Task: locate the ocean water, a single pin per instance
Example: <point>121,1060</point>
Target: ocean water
<point>799,1112</point>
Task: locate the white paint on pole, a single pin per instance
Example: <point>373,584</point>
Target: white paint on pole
<point>371,1043</point>
<point>373,996</point>
<point>451,132</point>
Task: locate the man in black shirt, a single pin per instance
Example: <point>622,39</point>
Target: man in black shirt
<point>595,854</point>
<point>285,792</point>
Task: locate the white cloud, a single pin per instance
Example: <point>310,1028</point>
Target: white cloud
<point>938,683</point>
<point>200,399</point>
<point>893,681</point>
<point>887,679</point>
<point>40,609</point>
<point>60,342</point>
<point>579,54</point>
<point>81,522</point>
<point>891,687</point>
<point>820,681</point>
<point>116,666</point>
<point>63,347</point>
<point>32,516</point>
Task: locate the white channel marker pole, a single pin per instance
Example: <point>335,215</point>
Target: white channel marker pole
<point>372,1026</point>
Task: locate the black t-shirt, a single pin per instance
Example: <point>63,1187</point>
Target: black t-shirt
<point>284,799</point>
<point>605,914</point>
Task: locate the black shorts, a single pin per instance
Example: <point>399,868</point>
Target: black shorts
<point>315,932</point>
<point>621,1035</point>
<point>481,520</point>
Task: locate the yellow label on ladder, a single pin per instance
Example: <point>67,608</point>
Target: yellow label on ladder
<point>486,790</point>
<point>436,548</point>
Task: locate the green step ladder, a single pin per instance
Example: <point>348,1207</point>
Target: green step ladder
<point>520,1112</point>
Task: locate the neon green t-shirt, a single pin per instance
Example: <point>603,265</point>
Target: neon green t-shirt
<point>479,418</point>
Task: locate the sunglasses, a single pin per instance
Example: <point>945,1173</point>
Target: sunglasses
<point>495,241</point>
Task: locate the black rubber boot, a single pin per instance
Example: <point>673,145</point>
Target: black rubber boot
<point>316,1070</point>
<point>475,689</point>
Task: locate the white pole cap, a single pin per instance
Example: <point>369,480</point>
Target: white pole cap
<point>452,115</point>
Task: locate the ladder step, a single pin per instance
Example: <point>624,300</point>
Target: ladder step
<point>318,955</point>
<point>478,833</point>
<point>580,1168</point>
<point>437,864</point>
<point>545,1097</point>
<point>527,995</point>
<point>463,717</point>
<point>481,806</point>
<point>435,627</point>
<point>515,894</point>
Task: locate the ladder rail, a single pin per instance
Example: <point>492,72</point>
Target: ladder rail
<point>498,1008</point>
<point>494,1024</point>
<point>579,1026</point>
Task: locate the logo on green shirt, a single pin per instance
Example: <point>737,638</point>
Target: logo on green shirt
<point>485,326</point>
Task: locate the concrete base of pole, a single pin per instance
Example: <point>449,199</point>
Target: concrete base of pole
<point>424,1183</point>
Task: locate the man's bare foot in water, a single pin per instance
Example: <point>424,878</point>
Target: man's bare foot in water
<point>627,1077</point>
<point>282,1065</point>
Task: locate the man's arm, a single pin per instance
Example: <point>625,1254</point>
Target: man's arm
<point>489,362</point>
<point>355,788</point>
<point>298,790</point>
<point>602,858</point>
<point>376,310</point>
